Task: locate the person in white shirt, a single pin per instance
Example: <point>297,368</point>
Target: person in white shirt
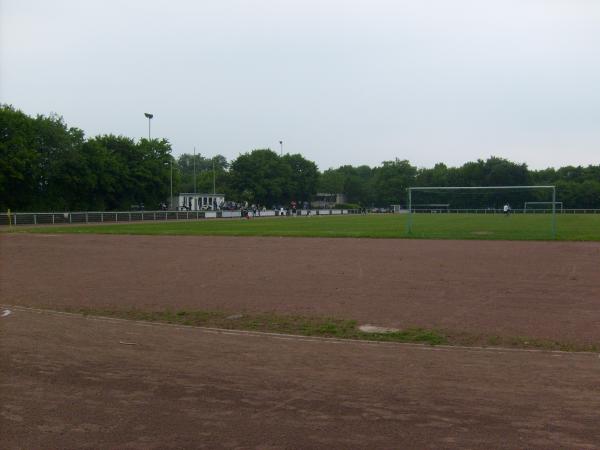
<point>506,209</point>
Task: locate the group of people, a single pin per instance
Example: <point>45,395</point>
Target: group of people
<point>249,211</point>
<point>253,209</point>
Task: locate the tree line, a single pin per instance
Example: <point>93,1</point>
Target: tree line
<point>46,165</point>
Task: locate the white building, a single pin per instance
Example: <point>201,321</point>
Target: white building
<point>199,202</point>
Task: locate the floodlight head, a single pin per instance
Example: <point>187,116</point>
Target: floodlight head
<point>148,115</point>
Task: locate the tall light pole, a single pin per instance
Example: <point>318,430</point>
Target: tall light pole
<point>214,177</point>
<point>149,116</point>
<point>194,170</point>
<point>281,148</point>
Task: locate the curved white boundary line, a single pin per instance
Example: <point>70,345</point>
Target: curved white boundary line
<point>5,313</point>
<point>294,337</point>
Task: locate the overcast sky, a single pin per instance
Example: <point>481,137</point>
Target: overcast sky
<point>342,82</point>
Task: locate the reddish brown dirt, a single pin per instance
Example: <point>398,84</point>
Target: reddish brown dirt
<point>535,289</point>
<point>70,382</point>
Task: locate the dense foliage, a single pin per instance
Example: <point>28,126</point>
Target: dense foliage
<point>45,165</point>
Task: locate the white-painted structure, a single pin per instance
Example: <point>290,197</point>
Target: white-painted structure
<point>327,200</point>
<point>199,202</point>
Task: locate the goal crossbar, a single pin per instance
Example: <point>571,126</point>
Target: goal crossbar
<point>457,188</point>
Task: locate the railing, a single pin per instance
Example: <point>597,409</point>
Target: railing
<point>501,211</point>
<point>82,217</point>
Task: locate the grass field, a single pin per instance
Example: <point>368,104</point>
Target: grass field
<point>583,227</point>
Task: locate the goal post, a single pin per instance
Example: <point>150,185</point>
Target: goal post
<point>455,190</point>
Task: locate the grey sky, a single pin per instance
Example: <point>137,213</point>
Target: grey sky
<point>342,82</point>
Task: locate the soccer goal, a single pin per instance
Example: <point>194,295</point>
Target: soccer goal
<point>468,211</point>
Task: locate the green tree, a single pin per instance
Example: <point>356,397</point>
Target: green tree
<point>331,181</point>
<point>304,176</point>
<point>46,165</point>
<point>262,177</point>
<point>354,182</point>
<point>204,173</point>
<point>130,173</point>
<point>437,176</point>
<point>391,181</point>
<point>19,160</point>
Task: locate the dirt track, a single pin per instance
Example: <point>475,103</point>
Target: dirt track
<point>67,381</point>
<point>534,289</point>
<point>70,382</point>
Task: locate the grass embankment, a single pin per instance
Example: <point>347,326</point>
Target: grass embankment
<point>582,227</point>
<point>329,327</point>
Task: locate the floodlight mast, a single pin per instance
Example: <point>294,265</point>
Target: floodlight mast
<point>149,117</point>
<point>214,177</point>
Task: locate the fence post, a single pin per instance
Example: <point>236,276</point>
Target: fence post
<point>35,219</point>
<point>409,219</point>
<point>553,212</point>
<point>86,217</point>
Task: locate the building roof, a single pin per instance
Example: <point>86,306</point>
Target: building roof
<point>202,194</point>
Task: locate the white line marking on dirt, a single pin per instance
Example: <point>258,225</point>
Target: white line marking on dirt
<point>6,312</point>
<point>293,337</point>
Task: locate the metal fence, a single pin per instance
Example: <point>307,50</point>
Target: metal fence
<point>501,211</point>
<point>82,217</point>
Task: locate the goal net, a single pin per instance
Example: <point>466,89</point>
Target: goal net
<point>544,207</point>
<point>502,212</point>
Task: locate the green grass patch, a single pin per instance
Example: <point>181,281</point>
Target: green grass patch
<point>570,227</point>
<point>332,328</point>
<point>270,323</point>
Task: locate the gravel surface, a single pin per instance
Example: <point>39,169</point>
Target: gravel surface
<point>72,382</point>
<point>543,290</point>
